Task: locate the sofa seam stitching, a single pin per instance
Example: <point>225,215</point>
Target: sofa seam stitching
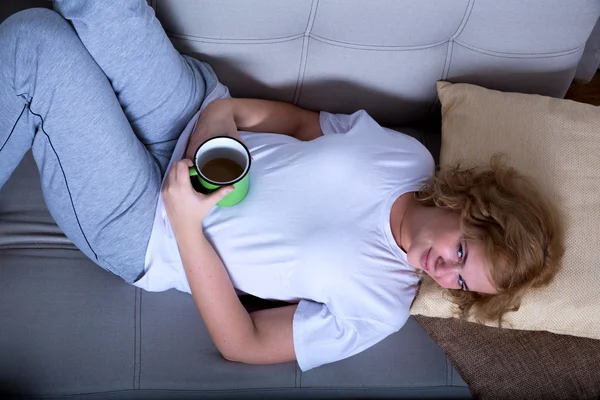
<point>458,42</point>
<point>140,343</point>
<point>301,75</point>
<point>452,40</point>
<point>212,38</point>
<point>450,49</point>
<point>296,375</point>
<point>134,337</point>
<point>493,53</point>
<point>235,41</point>
<point>374,48</point>
<point>465,19</point>
<point>382,47</point>
<point>304,55</point>
<point>304,45</point>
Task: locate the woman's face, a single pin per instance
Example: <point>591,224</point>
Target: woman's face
<point>441,251</point>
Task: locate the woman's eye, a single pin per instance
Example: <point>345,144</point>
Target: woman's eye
<point>459,252</point>
<point>461,283</point>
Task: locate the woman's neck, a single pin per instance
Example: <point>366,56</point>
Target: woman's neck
<point>401,210</point>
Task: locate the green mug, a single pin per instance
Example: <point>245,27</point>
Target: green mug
<point>222,161</point>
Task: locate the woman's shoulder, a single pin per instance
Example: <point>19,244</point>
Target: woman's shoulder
<point>382,299</point>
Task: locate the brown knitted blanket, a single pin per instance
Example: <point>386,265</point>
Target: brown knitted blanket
<point>512,364</point>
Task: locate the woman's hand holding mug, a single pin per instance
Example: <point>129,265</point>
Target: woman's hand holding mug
<point>219,156</point>
<point>185,207</point>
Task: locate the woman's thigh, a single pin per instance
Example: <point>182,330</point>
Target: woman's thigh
<point>158,89</point>
<point>99,181</point>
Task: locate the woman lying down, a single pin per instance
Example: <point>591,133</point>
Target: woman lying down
<point>342,217</point>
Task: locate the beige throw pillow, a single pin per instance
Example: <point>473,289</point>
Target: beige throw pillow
<point>557,143</point>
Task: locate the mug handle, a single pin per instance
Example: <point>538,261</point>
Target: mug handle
<point>195,178</point>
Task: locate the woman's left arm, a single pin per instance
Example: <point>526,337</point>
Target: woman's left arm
<point>227,116</point>
<point>263,337</point>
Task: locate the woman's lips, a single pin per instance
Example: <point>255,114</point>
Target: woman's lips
<point>425,259</point>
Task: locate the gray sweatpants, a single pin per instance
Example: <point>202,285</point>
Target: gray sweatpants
<point>101,102</point>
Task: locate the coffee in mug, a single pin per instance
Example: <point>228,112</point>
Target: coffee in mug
<point>222,161</point>
<point>221,170</point>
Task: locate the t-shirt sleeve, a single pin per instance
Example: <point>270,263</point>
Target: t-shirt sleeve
<point>320,337</point>
<point>388,158</point>
<point>338,123</point>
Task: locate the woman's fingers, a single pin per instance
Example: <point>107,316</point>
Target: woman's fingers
<point>172,173</point>
<point>182,169</point>
<point>217,196</point>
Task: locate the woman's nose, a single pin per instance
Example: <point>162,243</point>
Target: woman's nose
<point>446,266</point>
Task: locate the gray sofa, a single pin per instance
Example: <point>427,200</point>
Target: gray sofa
<point>71,330</point>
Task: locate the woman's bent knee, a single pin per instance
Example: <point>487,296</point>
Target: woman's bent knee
<point>36,26</point>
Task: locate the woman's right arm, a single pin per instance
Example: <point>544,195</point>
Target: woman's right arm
<point>262,337</point>
<point>227,116</point>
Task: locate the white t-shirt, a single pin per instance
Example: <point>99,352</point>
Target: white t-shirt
<point>314,229</point>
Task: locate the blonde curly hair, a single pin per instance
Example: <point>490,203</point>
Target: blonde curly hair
<point>519,229</point>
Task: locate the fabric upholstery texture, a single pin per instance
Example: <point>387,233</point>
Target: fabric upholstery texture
<point>99,334</point>
<point>72,338</point>
<point>557,144</point>
<point>382,55</point>
<point>513,364</point>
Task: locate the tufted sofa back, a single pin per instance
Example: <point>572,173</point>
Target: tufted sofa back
<point>381,55</point>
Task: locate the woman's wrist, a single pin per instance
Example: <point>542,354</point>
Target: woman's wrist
<point>215,120</point>
<point>187,232</point>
